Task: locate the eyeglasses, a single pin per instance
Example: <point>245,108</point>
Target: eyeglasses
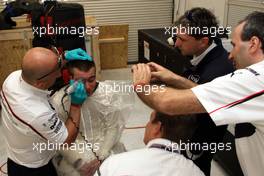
<point>59,63</point>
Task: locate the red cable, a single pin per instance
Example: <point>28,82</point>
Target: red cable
<point>2,170</point>
<point>137,127</point>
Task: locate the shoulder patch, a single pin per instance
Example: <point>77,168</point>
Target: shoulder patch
<point>253,71</point>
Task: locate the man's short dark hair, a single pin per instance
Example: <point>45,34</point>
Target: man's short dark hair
<point>254,26</point>
<point>176,128</point>
<point>82,65</point>
<point>198,17</point>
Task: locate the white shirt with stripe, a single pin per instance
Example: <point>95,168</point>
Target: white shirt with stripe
<point>29,121</point>
<point>150,162</point>
<point>238,98</point>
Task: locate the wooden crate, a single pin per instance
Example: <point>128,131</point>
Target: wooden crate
<point>14,44</point>
<point>113,42</point>
<point>91,21</point>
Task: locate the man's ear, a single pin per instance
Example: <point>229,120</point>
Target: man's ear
<point>39,84</point>
<point>204,41</point>
<point>66,76</point>
<point>157,129</point>
<point>254,45</point>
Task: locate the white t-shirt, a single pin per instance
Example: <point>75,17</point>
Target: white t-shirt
<point>29,122</point>
<point>148,162</point>
<point>238,98</point>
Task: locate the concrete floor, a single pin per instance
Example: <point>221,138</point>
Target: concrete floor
<point>132,138</point>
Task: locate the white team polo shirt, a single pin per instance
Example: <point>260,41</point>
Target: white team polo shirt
<point>238,98</point>
<point>150,162</point>
<point>29,120</point>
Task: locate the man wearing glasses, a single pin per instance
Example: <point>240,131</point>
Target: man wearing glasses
<point>31,126</point>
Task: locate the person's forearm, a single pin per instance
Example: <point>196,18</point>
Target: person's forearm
<point>72,123</point>
<point>172,101</point>
<point>181,82</point>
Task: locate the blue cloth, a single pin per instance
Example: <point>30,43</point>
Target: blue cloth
<point>79,95</point>
<point>77,54</point>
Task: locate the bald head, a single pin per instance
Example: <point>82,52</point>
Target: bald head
<point>38,62</point>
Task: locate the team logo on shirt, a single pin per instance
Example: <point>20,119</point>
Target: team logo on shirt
<point>194,78</point>
<point>253,71</point>
<point>52,123</point>
<point>236,73</point>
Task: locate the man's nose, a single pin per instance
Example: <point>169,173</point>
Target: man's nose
<point>231,57</point>
<point>177,43</point>
<point>88,87</point>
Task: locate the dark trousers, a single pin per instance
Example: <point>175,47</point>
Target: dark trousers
<point>15,169</point>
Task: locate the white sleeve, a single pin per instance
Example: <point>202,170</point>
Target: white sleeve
<point>234,98</point>
<point>51,127</point>
<point>105,168</point>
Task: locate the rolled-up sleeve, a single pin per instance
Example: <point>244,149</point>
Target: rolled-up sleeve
<point>234,98</point>
<point>51,127</point>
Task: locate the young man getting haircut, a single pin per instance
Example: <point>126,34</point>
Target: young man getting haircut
<point>102,122</point>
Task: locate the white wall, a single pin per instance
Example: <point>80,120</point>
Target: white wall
<point>238,9</point>
<point>218,7</point>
